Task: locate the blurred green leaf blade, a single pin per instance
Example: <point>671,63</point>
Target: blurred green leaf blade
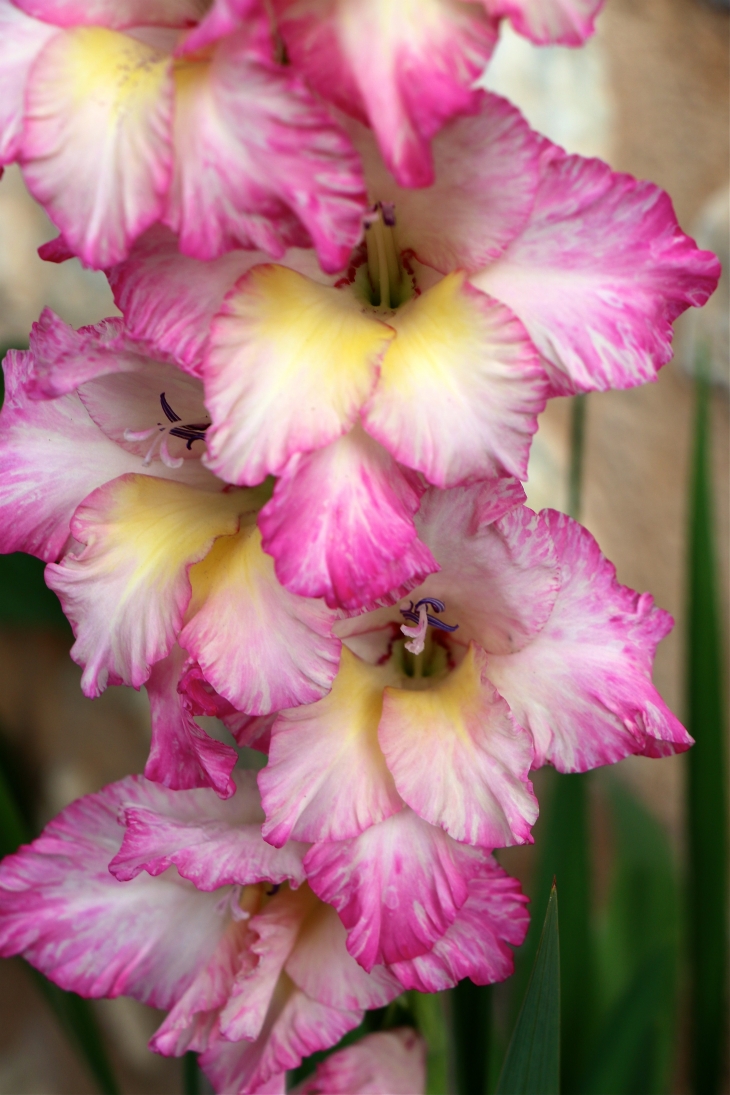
<point>707,773</point>
<point>532,1063</point>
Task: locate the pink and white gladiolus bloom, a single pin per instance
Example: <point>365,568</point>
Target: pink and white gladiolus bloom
<point>405,69</point>
<point>522,272</point>
<point>158,564</point>
<point>122,113</point>
<point>390,1062</point>
<point>522,650</point>
<point>186,908</point>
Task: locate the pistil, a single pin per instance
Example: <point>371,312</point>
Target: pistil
<point>386,276</point>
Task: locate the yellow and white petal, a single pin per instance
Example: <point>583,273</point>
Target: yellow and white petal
<point>97,148</point>
<point>260,646</point>
<point>326,778</point>
<point>290,364</point>
<point>459,759</point>
<point>127,591</point>
<point>460,388</point>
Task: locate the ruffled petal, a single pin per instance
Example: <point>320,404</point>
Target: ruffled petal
<point>459,759</point>
<point>127,591</point>
<point>259,162</point>
<point>583,685</point>
<point>327,778</point>
<point>210,841</point>
<point>340,525</point>
<point>96,151</point>
<point>397,887</point>
<point>320,966</point>
<point>169,299</point>
<point>274,931</point>
<point>115,13</point>
<point>52,455</point>
<point>221,18</point>
<point>487,175</point>
<point>182,755</point>
<point>21,40</point>
<point>460,388</point>
<point>564,22</point>
<point>295,1028</point>
<point>390,1062</point>
<point>63,911</point>
<point>599,274</point>
<point>259,646</point>
<point>478,944</point>
<point>289,366</point>
<point>421,74</point>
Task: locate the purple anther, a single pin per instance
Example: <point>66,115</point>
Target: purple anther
<point>189,434</point>
<point>388,211</point>
<point>436,605</point>
<point>434,622</point>
<point>169,413</point>
<point>274,889</point>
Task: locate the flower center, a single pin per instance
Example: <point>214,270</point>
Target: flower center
<point>391,285</point>
<point>190,432</point>
<point>419,615</point>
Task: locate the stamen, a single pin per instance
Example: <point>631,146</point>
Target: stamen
<point>189,434</point>
<point>167,458</point>
<point>169,413</point>
<point>139,435</point>
<point>418,614</point>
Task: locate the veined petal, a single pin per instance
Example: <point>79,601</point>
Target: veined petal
<point>397,886</point>
<point>212,842</point>
<point>295,1027</point>
<point>487,175</point>
<point>289,366</point>
<point>393,1062</point>
<point>96,151</point>
<point>564,22</point>
<point>52,455</point>
<point>320,966</point>
<point>182,755</point>
<point>340,524</point>
<point>499,578</point>
<point>327,778</point>
<point>64,358</point>
<point>169,299</point>
<point>275,930</point>
<point>21,40</point>
<point>62,909</point>
<point>221,18</point>
<point>583,685</point>
<point>478,944</point>
<point>127,591</point>
<point>260,646</point>
<point>459,759</point>
<point>259,162</point>
<point>428,55</point>
<point>460,387</point>
<point>115,13</point>
<point>598,275</point>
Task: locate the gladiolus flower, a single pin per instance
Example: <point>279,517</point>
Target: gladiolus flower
<point>123,113</point>
<point>406,69</point>
<point>522,650</point>
<point>390,1062</point>
<point>195,913</point>
<point>158,566</point>
<point>522,272</point>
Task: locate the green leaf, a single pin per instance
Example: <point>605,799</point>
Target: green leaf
<point>637,956</point>
<point>707,838</point>
<point>471,1007</point>
<point>532,1064</point>
<point>191,1075</point>
<point>428,1011</point>
<point>73,1012</point>
<point>562,848</point>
